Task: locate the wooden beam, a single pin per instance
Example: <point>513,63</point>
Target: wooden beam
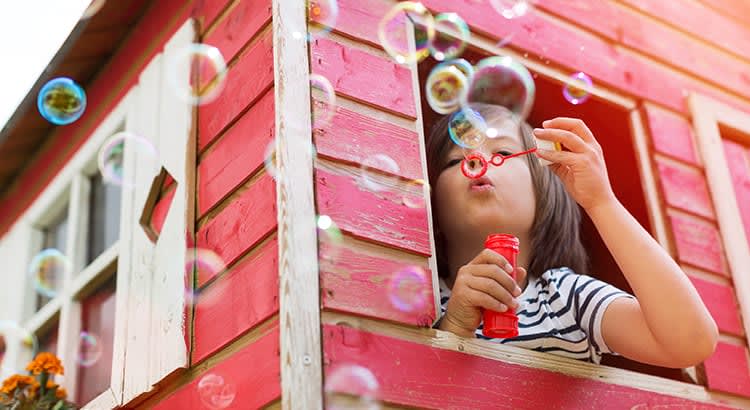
<point>300,333</point>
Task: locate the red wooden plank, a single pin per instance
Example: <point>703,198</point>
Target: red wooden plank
<point>377,216</point>
<point>118,76</point>
<point>239,26</point>
<point>358,282</point>
<point>363,76</point>
<point>236,155</point>
<point>359,19</point>
<point>354,137</point>
<point>412,374</point>
<point>254,372</point>
<point>728,370</point>
<point>738,161</point>
<point>246,82</point>
<point>685,188</point>
<point>714,28</point>
<point>604,62</point>
<point>247,219</point>
<point>671,134</point>
<point>160,211</point>
<point>731,8</point>
<point>205,12</point>
<point>663,43</point>
<point>722,303</point>
<point>244,297</point>
<point>698,243</point>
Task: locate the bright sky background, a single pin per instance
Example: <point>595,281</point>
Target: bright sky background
<point>31,32</point>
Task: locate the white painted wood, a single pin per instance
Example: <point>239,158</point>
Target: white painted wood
<point>96,273</point>
<point>106,400</point>
<point>301,361</point>
<point>707,115</point>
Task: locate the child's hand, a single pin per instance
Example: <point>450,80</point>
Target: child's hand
<point>483,283</point>
<point>581,168</point>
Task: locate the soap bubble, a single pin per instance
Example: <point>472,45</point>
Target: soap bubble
<point>202,63</point>
<point>350,386</point>
<point>372,166</point>
<point>444,45</point>
<point>445,88</point>
<point>89,349</point>
<point>407,289</point>
<point>13,336</point>
<point>505,82</point>
<point>216,393</point>
<point>324,14</point>
<point>325,104</point>
<point>203,264</point>
<point>111,158</point>
<point>330,240</point>
<point>93,8</point>
<point>511,9</point>
<point>393,31</point>
<point>48,270</point>
<point>467,128</point>
<point>61,101</point>
<point>578,89</point>
<point>464,66</point>
<point>415,195</point>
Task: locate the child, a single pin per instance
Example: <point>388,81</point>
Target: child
<point>560,310</point>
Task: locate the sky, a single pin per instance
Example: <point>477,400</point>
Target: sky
<point>31,32</point>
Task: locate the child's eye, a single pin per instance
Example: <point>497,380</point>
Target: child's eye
<point>452,163</point>
<point>504,152</point>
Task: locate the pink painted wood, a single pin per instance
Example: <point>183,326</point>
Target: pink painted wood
<point>671,134</point>
<point>236,155</point>
<point>363,76</point>
<point>722,303</point>
<point>252,372</point>
<point>728,370</point>
<point>355,137</point>
<point>206,11</point>
<point>698,243</point>
<point>359,19</point>
<point>237,301</point>
<point>379,217</point>
<point>685,188</point>
<point>159,214</point>
<point>247,219</point>
<point>417,375</point>
<point>247,81</point>
<point>363,283</point>
<point>239,26</point>
<point>738,161</point>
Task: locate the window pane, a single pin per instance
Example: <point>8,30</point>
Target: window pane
<point>48,341</point>
<point>104,217</point>
<point>54,236</point>
<point>96,342</point>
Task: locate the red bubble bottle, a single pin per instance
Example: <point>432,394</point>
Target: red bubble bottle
<point>502,324</point>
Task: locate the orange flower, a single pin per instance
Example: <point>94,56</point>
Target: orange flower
<point>45,362</point>
<point>17,382</point>
<point>60,393</point>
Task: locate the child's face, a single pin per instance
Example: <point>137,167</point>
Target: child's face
<point>501,202</point>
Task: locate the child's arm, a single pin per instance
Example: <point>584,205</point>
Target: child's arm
<point>668,325</point>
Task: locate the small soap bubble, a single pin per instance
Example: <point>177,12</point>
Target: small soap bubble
<point>325,102</point>
<point>505,82</point>
<point>197,73</point>
<point>215,392</point>
<point>89,349</point>
<point>351,386</point>
<point>330,241</point>
<point>270,162</point>
<point>372,167</point>
<point>407,289</point>
<point>578,89</point>
<point>111,158</point>
<point>14,336</point>
<point>511,9</point>
<point>203,264</point>
<point>323,14</point>
<point>451,35</point>
<point>415,194</point>
<point>394,31</point>
<point>467,128</point>
<point>445,87</point>
<point>61,101</point>
<point>48,270</point>
<point>93,8</point>
<point>462,65</point>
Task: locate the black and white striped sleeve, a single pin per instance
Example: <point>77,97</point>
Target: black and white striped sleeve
<point>591,299</point>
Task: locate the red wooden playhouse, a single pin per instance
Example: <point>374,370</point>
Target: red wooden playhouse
<point>670,104</point>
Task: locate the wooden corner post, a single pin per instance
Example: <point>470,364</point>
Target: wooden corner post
<point>299,304</point>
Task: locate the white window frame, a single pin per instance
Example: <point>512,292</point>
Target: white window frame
<point>150,306</point>
<point>708,114</point>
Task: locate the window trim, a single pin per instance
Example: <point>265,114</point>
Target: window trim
<point>707,115</point>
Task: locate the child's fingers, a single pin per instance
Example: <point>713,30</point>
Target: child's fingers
<point>488,256</point>
<point>485,301</point>
<point>573,125</point>
<point>494,289</point>
<point>491,272</point>
<point>570,140</point>
<point>558,157</point>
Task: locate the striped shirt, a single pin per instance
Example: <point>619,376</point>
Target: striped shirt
<point>559,313</point>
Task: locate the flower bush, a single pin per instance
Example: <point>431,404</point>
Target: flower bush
<point>36,391</point>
